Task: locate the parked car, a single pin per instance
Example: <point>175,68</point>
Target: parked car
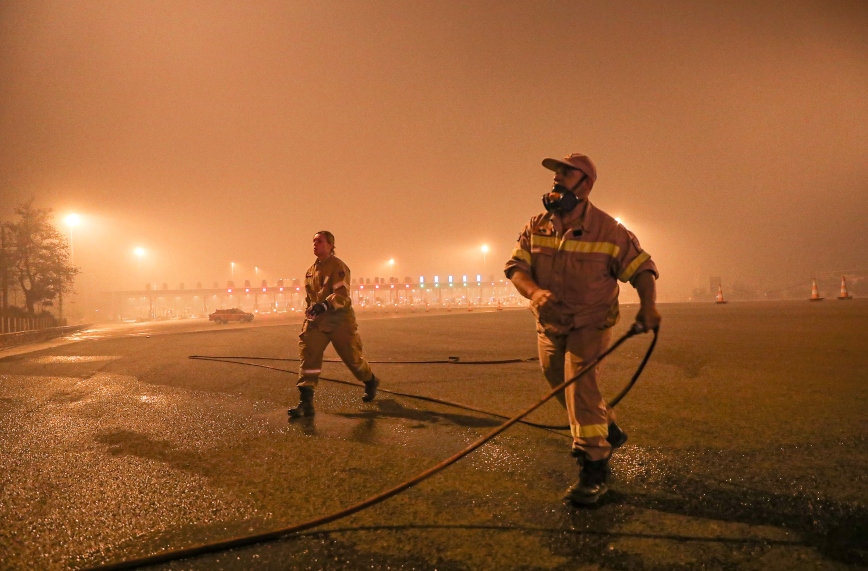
<point>227,315</point>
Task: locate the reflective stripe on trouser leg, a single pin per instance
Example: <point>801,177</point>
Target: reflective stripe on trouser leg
<point>312,344</point>
<point>348,345</point>
<point>551,358</point>
<point>589,417</point>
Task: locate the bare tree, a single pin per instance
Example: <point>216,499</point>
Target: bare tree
<point>39,255</point>
<point>5,270</point>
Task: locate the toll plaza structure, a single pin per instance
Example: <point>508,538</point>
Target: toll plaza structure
<point>152,303</point>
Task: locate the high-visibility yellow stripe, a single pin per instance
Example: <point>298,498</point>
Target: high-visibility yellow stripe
<point>522,255</point>
<point>544,241</point>
<point>575,245</point>
<point>589,430</point>
<point>591,247</point>
<point>311,371</point>
<point>631,269</point>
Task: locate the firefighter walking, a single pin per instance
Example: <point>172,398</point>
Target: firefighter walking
<point>330,319</point>
<point>568,262</point>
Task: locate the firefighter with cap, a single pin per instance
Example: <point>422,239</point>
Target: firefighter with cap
<point>329,319</point>
<point>568,262</point>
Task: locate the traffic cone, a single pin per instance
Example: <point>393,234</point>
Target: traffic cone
<point>815,293</point>
<point>719,298</point>
<point>844,294</point>
<point>499,306</point>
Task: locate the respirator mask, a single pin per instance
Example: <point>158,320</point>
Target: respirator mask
<point>562,199</point>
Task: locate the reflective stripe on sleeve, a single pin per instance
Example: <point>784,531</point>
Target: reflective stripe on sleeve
<point>311,371</point>
<point>521,255</point>
<point>631,269</point>
<point>589,430</point>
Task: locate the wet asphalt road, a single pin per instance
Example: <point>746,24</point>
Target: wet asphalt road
<point>747,450</point>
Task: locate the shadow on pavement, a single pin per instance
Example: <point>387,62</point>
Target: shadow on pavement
<point>838,531</point>
<point>391,409</point>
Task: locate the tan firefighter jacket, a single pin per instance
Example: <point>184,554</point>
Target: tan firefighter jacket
<point>581,266</point>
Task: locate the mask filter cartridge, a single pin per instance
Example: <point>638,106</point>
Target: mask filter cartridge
<point>560,199</point>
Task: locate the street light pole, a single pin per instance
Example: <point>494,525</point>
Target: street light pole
<point>484,254</point>
<point>391,286</point>
<point>139,252</point>
<point>72,221</point>
<point>4,267</point>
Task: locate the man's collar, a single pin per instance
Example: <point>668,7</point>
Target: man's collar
<point>579,223</point>
<point>586,213</point>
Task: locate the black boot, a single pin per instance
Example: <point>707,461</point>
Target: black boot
<point>371,389</point>
<point>617,437</point>
<point>593,481</point>
<point>305,405</point>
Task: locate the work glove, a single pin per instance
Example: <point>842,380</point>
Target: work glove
<point>316,309</point>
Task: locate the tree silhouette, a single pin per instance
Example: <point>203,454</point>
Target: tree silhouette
<point>39,256</point>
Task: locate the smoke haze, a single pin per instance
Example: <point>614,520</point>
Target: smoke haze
<point>731,137</point>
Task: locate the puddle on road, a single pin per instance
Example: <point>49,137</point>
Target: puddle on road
<point>57,359</point>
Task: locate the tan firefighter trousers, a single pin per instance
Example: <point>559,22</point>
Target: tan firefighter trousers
<point>561,357</point>
<point>339,329</point>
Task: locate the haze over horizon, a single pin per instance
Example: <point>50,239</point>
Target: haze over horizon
<point>731,137</point>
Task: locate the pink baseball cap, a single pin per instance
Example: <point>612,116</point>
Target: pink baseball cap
<point>575,161</point>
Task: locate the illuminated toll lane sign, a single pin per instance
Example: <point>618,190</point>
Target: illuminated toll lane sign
<point>157,301</point>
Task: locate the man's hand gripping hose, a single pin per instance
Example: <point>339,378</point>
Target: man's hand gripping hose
<point>231,543</point>
<point>316,309</point>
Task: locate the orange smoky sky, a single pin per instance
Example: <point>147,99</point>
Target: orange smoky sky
<point>731,137</point>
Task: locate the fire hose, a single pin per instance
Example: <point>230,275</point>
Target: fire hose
<point>447,361</point>
<point>373,500</point>
<point>452,360</point>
